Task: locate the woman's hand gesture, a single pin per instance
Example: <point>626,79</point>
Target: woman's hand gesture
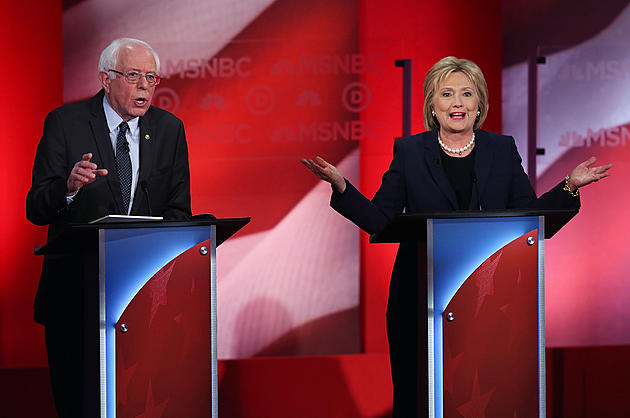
<point>326,172</point>
<point>583,174</point>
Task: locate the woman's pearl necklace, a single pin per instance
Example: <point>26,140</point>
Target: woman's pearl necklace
<point>458,150</point>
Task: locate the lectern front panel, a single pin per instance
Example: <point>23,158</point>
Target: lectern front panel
<point>155,321</point>
<point>485,314</point>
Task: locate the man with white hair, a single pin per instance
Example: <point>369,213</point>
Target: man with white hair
<point>111,154</point>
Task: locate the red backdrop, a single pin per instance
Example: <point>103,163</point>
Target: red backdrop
<point>415,32</point>
<point>31,70</point>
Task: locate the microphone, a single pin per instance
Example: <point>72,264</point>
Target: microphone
<point>145,188</point>
<point>474,180</point>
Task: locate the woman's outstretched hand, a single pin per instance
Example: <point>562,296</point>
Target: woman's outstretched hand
<point>326,172</point>
<point>583,174</point>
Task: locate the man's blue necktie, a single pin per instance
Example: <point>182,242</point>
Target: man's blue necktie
<point>123,164</point>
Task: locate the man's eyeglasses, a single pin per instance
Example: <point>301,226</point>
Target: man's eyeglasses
<point>133,77</point>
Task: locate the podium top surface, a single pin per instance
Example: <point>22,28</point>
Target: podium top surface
<point>412,227</point>
<point>226,227</point>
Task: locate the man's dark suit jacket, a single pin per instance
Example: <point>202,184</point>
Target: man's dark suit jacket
<point>416,182</point>
<point>79,128</point>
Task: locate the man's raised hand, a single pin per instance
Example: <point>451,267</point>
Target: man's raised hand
<point>84,172</point>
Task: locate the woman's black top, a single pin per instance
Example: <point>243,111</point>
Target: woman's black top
<point>460,172</point>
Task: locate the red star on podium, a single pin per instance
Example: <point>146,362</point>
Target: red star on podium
<point>151,410</point>
<point>158,288</point>
<point>476,406</point>
<point>485,280</point>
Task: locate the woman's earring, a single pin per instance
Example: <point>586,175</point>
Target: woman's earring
<point>433,113</point>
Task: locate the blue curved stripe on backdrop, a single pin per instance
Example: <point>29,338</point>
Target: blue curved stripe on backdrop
<point>132,257</point>
<point>460,246</point>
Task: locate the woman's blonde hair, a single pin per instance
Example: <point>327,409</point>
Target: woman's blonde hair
<point>438,73</point>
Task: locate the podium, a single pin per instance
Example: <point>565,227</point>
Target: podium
<point>150,322</point>
<point>481,333</point>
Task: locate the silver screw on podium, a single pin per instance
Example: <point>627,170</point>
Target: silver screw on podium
<point>203,250</point>
<point>450,317</point>
<point>531,241</point>
<point>123,328</point>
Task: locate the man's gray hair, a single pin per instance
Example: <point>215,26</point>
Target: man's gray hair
<point>109,56</point>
